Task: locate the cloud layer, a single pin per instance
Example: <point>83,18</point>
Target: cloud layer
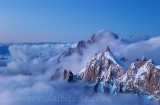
<point>26,77</point>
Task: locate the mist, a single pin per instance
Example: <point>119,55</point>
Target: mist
<point>26,77</point>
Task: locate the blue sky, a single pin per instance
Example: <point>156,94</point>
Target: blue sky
<point>72,20</point>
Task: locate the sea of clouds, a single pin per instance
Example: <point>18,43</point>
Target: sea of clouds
<point>25,79</point>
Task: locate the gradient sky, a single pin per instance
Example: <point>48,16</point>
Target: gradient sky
<point>72,20</point>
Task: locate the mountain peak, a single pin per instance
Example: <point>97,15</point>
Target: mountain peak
<point>100,69</point>
<point>142,78</point>
<point>108,34</point>
<point>108,49</point>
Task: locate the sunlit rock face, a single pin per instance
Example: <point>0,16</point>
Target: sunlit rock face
<point>106,69</point>
<point>102,70</point>
<point>143,77</point>
<point>103,66</point>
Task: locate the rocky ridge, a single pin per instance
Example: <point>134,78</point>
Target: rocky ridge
<point>142,77</point>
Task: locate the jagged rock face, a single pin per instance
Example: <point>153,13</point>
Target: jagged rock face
<point>80,46</point>
<point>56,75</point>
<point>79,49</point>
<point>103,67</point>
<point>142,78</point>
<point>91,73</point>
<point>154,82</point>
<point>102,34</point>
<point>69,52</point>
<point>94,39</point>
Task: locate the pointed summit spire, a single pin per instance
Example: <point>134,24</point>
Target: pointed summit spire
<point>108,49</point>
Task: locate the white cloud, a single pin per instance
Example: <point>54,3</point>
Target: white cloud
<point>30,67</point>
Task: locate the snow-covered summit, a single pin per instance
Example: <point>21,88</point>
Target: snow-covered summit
<point>142,78</point>
<point>102,69</point>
